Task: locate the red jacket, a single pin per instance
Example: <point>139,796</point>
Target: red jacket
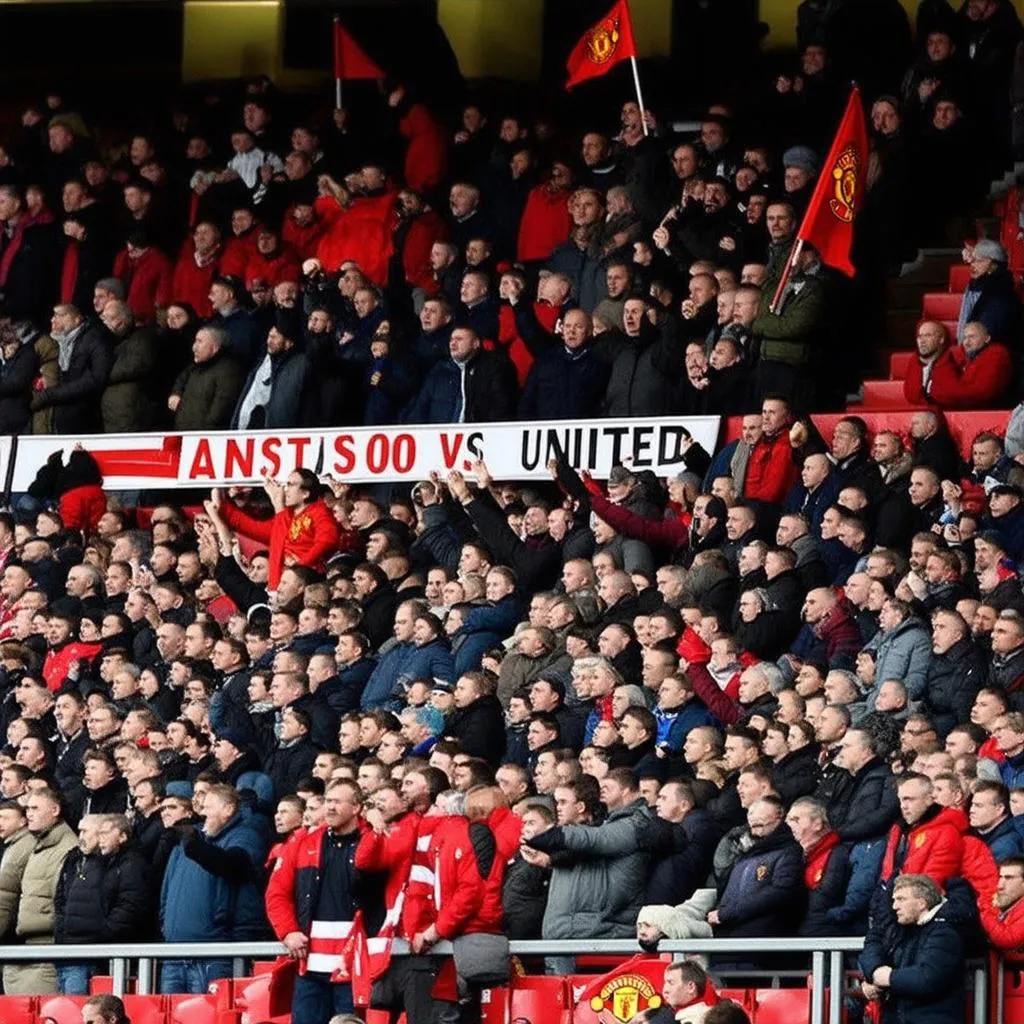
<point>1004,928</point>
<point>978,383</point>
<point>935,847</point>
<point>468,878</point>
<point>392,852</point>
<point>420,237</point>
<point>361,232</point>
<point>59,661</point>
<point>507,828</point>
<point>545,223</point>
<point>308,537</point>
<point>426,158</point>
<point>81,508</point>
<point>272,270</point>
<point>147,279</point>
<point>303,240</point>
<point>770,469</point>
<point>913,383</point>
<point>238,250</point>
<point>191,283</point>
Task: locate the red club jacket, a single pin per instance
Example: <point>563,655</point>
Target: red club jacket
<point>192,280</point>
<point>426,158</point>
<point>545,223</point>
<point>978,383</point>
<point>935,847</point>
<point>308,536</point>
<point>770,469</point>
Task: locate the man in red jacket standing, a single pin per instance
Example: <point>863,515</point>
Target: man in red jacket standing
<point>301,532</point>
<point>770,469</point>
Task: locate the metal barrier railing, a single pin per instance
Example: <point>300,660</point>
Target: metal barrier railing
<point>827,975</point>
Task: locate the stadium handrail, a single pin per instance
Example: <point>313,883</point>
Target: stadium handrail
<point>827,961</point>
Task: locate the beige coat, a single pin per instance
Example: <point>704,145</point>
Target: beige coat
<point>12,865</point>
<point>39,883</point>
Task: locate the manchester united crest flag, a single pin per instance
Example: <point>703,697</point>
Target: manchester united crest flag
<point>839,193</point>
<point>603,46</point>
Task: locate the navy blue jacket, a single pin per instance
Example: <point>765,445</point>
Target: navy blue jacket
<point>564,385</point>
<point>404,663</point>
<point>927,982</point>
<point>681,856</point>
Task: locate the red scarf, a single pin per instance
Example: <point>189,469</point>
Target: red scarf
<point>817,857</point>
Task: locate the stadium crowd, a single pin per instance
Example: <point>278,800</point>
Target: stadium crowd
<point>778,694</point>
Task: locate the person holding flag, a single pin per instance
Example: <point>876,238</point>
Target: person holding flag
<point>315,903</point>
<point>791,324</point>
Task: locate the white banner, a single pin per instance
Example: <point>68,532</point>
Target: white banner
<point>512,451</point>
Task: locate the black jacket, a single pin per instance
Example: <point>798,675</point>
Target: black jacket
<point>34,276</point>
<point>480,729</point>
<point>287,766</point>
<point>564,385</point>
<point>953,681</point>
<point>76,399</point>
<point>796,775</point>
<point>102,899</point>
<point>16,377</point>
<point>681,856</point>
<point>867,806</point>
<point>524,895</point>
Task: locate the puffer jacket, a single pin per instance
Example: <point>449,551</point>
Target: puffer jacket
<point>601,891</point>
<point>927,958</point>
<point>683,854</point>
<point>102,898</point>
<point>954,679</point>
<point>15,855</point>
<point>197,905</point>
<point>765,894</point>
<point>39,883</point>
<point>851,918</point>
<point>902,653</point>
<point>404,663</point>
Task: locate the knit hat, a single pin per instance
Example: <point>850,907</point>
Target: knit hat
<point>235,737</point>
<point>430,718</point>
<point>988,249</point>
<point>801,156</point>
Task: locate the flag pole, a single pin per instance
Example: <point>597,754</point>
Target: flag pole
<point>639,94</point>
<point>791,262</point>
<point>337,81</point>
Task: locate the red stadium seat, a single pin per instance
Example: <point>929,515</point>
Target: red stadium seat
<point>186,1009</point>
<point>540,999</point>
<point>886,394</point>
<point>253,999</point>
<point>959,276</point>
<point>18,1009</point>
<point>941,305</point>
<point>63,1009</point>
<point>782,1006</point>
<point>146,1009</point>
<point>494,1005</point>
<point>100,984</point>
<point>951,326</point>
<point>899,362</point>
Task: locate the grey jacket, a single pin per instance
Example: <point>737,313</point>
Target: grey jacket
<point>597,885</point>
<point>904,654</point>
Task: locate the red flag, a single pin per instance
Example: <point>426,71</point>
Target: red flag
<point>354,963</point>
<point>349,59</point>
<point>839,193</point>
<point>603,46</point>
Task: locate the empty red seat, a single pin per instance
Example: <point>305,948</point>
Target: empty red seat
<point>941,305</point>
<point>885,394</point>
<point>494,1005</point>
<point>951,326</point>
<point>185,1009</point>
<point>782,1006</point>
<point>17,1009</point>
<point>959,276</point>
<point>146,1009</point>
<point>62,1009</point>
<point>254,1000</point>
<point>541,998</point>
<point>898,364</point>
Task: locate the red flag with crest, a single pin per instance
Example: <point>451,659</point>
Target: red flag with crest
<point>603,45</point>
<point>839,193</point>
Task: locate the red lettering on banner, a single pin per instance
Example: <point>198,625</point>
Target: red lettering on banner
<point>270,450</point>
<point>404,453</point>
<point>346,460</point>
<point>299,444</point>
<point>202,462</point>
<point>238,461</point>
<point>450,450</point>
<point>377,451</point>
